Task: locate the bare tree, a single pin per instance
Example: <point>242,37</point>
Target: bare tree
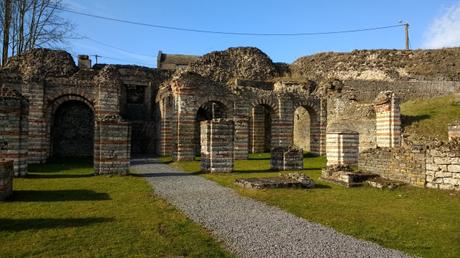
<point>32,23</point>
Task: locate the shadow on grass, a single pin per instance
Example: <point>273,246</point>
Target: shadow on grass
<point>166,174</point>
<point>15,225</point>
<point>239,171</point>
<point>56,165</point>
<point>408,120</point>
<point>51,175</point>
<point>58,195</point>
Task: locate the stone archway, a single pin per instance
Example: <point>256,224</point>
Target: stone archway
<point>72,131</point>
<point>307,131</point>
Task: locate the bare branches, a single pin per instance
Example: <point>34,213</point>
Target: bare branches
<point>33,23</point>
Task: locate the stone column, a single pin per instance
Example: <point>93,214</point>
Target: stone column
<point>388,127</point>
<point>13,129</point>
<point>241,138</point>
<point>217,151</point>
<point>342,148</point>
<point>184,126</point>
<point>166,138</point>
<point>112,146</point>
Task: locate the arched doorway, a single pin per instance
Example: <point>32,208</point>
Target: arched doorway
<point>306,129</point>
<point>208,111</point>
<point>260,129</point>
<point>73,130</point>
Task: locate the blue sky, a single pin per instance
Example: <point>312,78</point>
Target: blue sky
<point>430,20</point>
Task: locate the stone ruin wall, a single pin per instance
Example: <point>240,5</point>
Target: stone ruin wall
<point>47,78</point>
<point>14,110</point>
<point>419,165</point>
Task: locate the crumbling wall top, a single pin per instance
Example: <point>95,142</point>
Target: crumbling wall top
<point>246,63</point>
<point>37,64</point>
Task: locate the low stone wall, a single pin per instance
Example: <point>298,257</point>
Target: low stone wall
<point>6,179</point>
<point>401,164</point>
<point>422,166</point>
<point>217,152</point>
<point>443,167</point>
<point>112,151</point>
<point>286,158</point>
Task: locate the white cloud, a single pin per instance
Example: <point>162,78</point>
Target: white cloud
<point>444,31</point>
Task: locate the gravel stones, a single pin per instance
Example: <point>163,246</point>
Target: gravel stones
<point>250,228</point>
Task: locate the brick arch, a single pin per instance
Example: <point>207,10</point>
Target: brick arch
<point>266,102</point>
<point>261,135</point>
<point>226,103</point>
<point>314,125</point>
<point>53,112</point>
<point>54,103</point>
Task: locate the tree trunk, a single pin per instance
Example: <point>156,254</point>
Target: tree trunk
<point>6,31</point>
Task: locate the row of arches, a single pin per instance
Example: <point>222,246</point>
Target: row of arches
<point>306,133</point>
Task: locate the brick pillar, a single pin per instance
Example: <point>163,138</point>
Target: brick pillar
<point>257,130</point>
<point>217,151</point>
<point>388,127</point>
<point>283,124</point>
<point>241,138</point>
<point>39,141</point>
<point>112,146</point>
<point>13,129</point>
<point>342,148</point>
<point>454,130</point>
<point>184,126</point>
<point>322,127</point>
<point>6,179</point>
<point>166,137</point>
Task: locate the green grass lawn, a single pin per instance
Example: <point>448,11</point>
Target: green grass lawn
<point>418,221</point>
<point>430,117</point>
<point>62,210</point>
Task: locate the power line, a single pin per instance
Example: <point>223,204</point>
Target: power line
<point>226,32</point>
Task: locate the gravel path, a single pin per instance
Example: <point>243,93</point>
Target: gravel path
<point>248,227</point>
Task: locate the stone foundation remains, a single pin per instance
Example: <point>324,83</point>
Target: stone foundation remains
<point>217,152</point>
<point>286,158</point>
<point>6,179</point>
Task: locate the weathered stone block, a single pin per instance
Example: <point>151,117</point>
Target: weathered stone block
<point>342,147</point>
<point>286,158</point>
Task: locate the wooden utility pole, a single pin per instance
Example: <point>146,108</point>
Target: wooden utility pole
<point>6,31</point>
<point>406,30</point>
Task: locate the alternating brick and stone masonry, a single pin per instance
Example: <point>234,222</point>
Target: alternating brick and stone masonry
<point>217,150</point>
<point>14,110</point>
<point>388,120</point>
<point>342,147</point>
<point>286,158</point>
<point>112,149</point>
<point>6,179</point>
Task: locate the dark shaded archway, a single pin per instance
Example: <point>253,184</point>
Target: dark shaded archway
<point>72,131</point>
<point>260,129</point>
<point>208,111</point>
